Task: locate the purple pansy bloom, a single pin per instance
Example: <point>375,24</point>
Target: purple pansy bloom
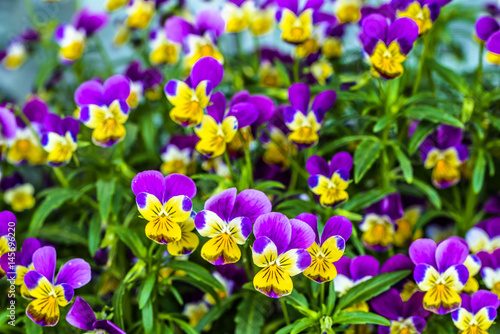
<point>17,193</point>
<point>477,312</point>
<point>8,224</point>
<point>440,272</point>
<point>265,106</point>
<point>82,316</point>
<point>423,12</point>
<point>142,82</point>
<point>329,181</point>
<point>490,271</point>
<point>47,292</point>
<point>492,205</point>
<point>227,220</point>
<point>409,315</point>
<point>327,249</point>
<point>379,223</point>
<point>104,108</point>
<point>388,43</point>
<point>178,155</point>
<point>296,22</point>
<point>488,31</point>
<point>59,139</point>
<point>385,10</point>
<point>485,236</point>
<point>165,202</point>
<point>304,121</point>
<point>280,250</point>
<point>444,152</point>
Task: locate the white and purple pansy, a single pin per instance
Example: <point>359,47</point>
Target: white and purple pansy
<point>59,139</point>
<point>478,312</point>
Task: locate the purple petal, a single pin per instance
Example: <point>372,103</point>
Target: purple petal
<point>448,136</point>
<point>32,278</point>
<point>7,217</point>
<point>75,272</point>
<point>8,123</point>
<point>8,261</point>
<point>343,266</point>
<point>341,160</point>
<point>35,109</point>
<point>388,304</point>
<point>151,182</point>
<point>265,108</point>
<point>276,227</point>
<point>222,204</point>
<point>466,304</point>
<point>90,22</point>
<point>210,19</point>
<point>299,96</point>
<point>30,246</point>
<point>251,203</point>
<point>313,4</point>
<point>177,28</point>
<point>312,221</point>
<point>302,235</point>
<point>207,68</point>
<point>217,108</point>
<point>419,323</point>
<point>337,225</point>
<point>90,92</point>
<point>44,261</point>
<point>317,165</point>
<point>405,31</point>
<point>396,263</point>
<point>116,87</point>
<point>71,125</point>
<point>292,5</point>
<point>108,327</point>
<point>451,252</point>
<point>483,298</point>
<point>246,113</point>
<point>323,102</point>
<point>81,315</point>
<point>241,96</point>
<point>363,266</point>
<point>68,291</point>
<point>390,206</point>
<point>375,26</point>
<point>486,26</point>
<point>177,184</point>
<point>414,306</point>
<point>493,205</point>
<point>423,251</point>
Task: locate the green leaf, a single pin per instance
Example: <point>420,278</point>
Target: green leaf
<point>105,191</point>
<point>196,271</point>
<point>297,299</point>
<point>331,146</point>
<point>362,200</point>
<point>360,317</point>
<point>131,239</point>
<point>404,163</point>
<point>250,315</point>
<point>364,157</point>
<point>434,115</point>
<point>450,76</point>
<point>148,131</point>
<point>423,130</point>
<point>94,234</point>
<point>186,328</point>
<point>268,185</point>
<point>302,325</point>
<point>283,73</point>
<point>370,288</point>
<point>203,286</point>
<point>148,317</point>
<point>430,192</point>
<point>381,123</point>
<point>332,296</point>
<point>51,203</point>
<point>479,171</point>
<point>146,289</point>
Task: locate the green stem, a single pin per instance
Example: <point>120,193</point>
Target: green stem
<point>285,311</point>
<point>479,74</point>
<point>248,159</point>
<point>247,262</point>
<point>423,57</point>
<point>60,176</point>
<point>321,296</point>
<point>228,163</point>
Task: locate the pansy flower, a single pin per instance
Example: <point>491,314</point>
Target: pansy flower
<point>140,13</point>
<point>485,236</point>
<point>473,264</point>
<point>195,311</point>
<point>303,121</point>
<point>218,127</point>
<point>351,272</point>
<point>261,17</point>
<point>444,152</point>
<point>192,98</point>
<point>423,12</point>
<point>47,293</point>
<point>18,49</point>
<point>280,249</point>
<point>25,147</point>
<point>178,155</point>
<point>258,16</point>
<point>59,139</point>
<point>165,202</point>
<point>71,38</point>
<point>440,272</point>
<point>296,22</point>
<point>104,108</point>
<point>478,312</point>
<point>379,224</point>
<point>327,248</point>
<point>163,51</point>
<point>145,82</point>
<point>189,240</point>
<point>227,220</point>
<point>17,193</point>
<point>82,316</point>
<point>269,75</point>
<point>8,129</point>
<point>331,47</point>
<point>22,263</point>
<point>488,31</point>
<point>329,181</point>
<point>490,271</point>
<point>348,11</point>
<point>388,44</point>
<point>199,39</point>
<point>405,316</point>
<point>8,224</point>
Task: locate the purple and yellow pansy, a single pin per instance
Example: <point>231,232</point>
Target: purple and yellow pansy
<point>178,155</point>
<point>163,51</point>
<point>490,271</point>
<point>59,139</point>
<point>327,248</point>
<point>388,43</point>
<point>189,240</point>
<point>190,99</point>
<point>440,272</point>
<point>303,121</point>
<point>488,32</point>
<point>478,312</point>
<point>484,237</point>
<point>8,224</point>
<point>47,292</point>
<point>140,13</point>
<point>423,12</point>
<point>17,51</point>
<point>145,82</point>
<point>296,22</point>
<point>280,249</point>
<point>329,181</point>
<point>104,108</point>
<point>227,220</point>
<point>82,316</point>
<point>17,193</point>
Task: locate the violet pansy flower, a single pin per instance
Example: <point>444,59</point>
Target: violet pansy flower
<point>485,236</point>
<point>423,12</point>
<point>178,155</point>
<point>8,224</point>
<point>165,202</point>
<point>327,248</point>
<point>82,316</point>
<point>388,43</point>
<point>305,121</point>
<point>329,181</point>
<point>405,317</point>
<point>440,272</point>
<point>280,250</point>
<point>59,139</point>
<point>140,13</point>
<point>163,51</point>
<point>478,312</point>
<point>142,82</point>
<point>17,193</point>
<point>47,292</point>
<point>488,31</point>
<point>104,108</point>
<point>296,22</point>
<point>191,98</point>
<point>227,220</point>
<point>18,49</point>
<point>490,271</point>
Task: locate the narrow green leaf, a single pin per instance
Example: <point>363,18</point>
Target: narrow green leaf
<point>94,234</point>
<point>427,216</point>
<point>423,130</point>
<point>381,123</point>
<point>250,315</point>
<point>302,325</point>
<point>404,163</point>
<point>430,192</point>
<point>332,296</point>
<point>364,157</point>
<point>360,317</point>
<point>479,171</point>
<point>146,289</point>
<point>131,239</point>
<point>105,191</point>
<point>434,115</point>
<point>362,200</point>
<point>148,317</point>
<point>186,328</point>
<point>203,286</point>
<point>196,271</point>
<point>331,146</point>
